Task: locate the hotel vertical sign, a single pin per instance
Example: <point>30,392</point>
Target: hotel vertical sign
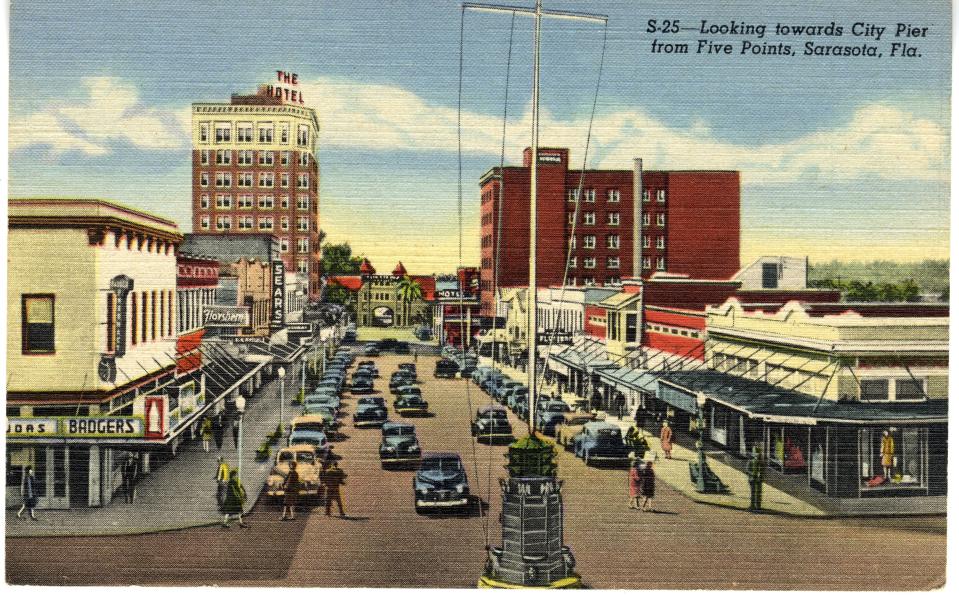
<point>277,306</point>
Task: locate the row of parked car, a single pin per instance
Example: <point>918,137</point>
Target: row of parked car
<point>586,434</point>
<point>377,347</point>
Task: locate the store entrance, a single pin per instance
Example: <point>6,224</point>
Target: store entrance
<point>57,465</point>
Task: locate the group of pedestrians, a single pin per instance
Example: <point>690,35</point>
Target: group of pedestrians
<point>642,484</point>
<point>332,478</point>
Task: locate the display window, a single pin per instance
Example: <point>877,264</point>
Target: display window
<point>892,457</point>
<point>787,448</point>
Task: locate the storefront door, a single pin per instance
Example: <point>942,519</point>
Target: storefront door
<point>58,488</point>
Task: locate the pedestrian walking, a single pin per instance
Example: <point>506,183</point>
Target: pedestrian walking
<point>130,473</point>
<point>620,406</point>
<point>236,433</point>
<point>28,492</point>
<point>206,433</point>
<point>235,498</point>
<point>639,418</point>
<point>414,355</point>
<point>291,492</point>
<point>666,439</point>
<point>222,480</point>
<point>648,485</point>
<point>333,479</point>
<point>756,470</point>
<point>218,432</point>
<point>635,484</point>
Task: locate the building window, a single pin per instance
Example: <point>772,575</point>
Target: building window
<point>661,220</point>
<point>590,196</point>
<point>266,223</point>
<point>301,266</point>
<point>265,202</point>
<point>302,245</point>
<point>647,264</point>
<point>612,241</point>
<point>572,195</point>
<point>205,222</point>
<point>38,324</point>
<point>661,264</point>
<point>144,329</point>
<point>572,242</point>
<point>204,132</point>
<point>244,201</point>
<point>646,242</point>
<point>284,201</point>
<point>284,245</point>
<point>661,196</point>
<point>303,202</point>
<point>224,179</point>
<point>244,157</point>
<point>244,179</point>
<point>204,179</point>
<point>612,195</point>
<point>303,181</point>
<point>646,219</point>
<point>266,158</point>
<point>223,132</point>
<point>223,157</point>
<point>284,180</point>
<point>224,201</point>
<point>153,315</point>
<point>571,218</point>
<point>205,157</point>
<point>133,318</point>
<point>589,281</point>
<point>266,180</point>
<point>284,223</point>
<point>303,224</point>
<point>284,158</point>
<point>646,196</point>
<point>284,134</point>
<point>303,135</point>
<point>169,313</point>
<point>266,132</point>
<point>223,222</point>
<point>589,262</point>
<point>589,241</point>
<point>613,219</point>
<point>589,218</point>
<point>205,201</point>
<point>612,262</point>
<point>304,158</point>
<point>660,242</point>
<point>244,132</point>
<point>244,222</point>
<point>910,389</point>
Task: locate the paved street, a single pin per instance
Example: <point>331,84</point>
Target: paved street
<point>383,543</point>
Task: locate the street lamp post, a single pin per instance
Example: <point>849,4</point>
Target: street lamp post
<point>281,373</point>
<point>303,376</point>
<point>240,404</point>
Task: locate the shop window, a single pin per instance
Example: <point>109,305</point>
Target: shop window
<point>910,389</point>
<point>874,389</point>
<point>718,429</point>
<point>631,327</point>
<point>38,324</point>
<point>787,448</point>
<point>892,457</point>
<point>817,459</point>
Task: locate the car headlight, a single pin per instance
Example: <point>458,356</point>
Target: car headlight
<point>461,487</point>
<point>415,447</point>
<point>389,449</point>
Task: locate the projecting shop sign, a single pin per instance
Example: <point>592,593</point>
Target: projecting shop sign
<point>278,311</point>
<point>225,317</point>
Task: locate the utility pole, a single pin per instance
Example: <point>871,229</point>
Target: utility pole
<point>531,324</point>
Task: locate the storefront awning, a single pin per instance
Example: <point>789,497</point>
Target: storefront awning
<point>760,400</point>
<point>628,378</point>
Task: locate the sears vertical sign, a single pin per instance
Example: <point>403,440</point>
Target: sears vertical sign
<point>277,302</point>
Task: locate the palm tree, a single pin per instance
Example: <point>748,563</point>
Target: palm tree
<point>409,290</point>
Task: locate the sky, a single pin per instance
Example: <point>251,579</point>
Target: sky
<point>841,158</point>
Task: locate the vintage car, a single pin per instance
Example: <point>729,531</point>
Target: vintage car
<point>388,343</point>
<point>445,368</point>
<point>401,379</point>
<point>368,366</point>
<point>362,385</point>
<point>408,389</point>
<point>601,441</point>
<point>411,403</point>
<point>307,468</point>
<point>399,445</point>
<point>402,347</point>
<point>505,389</point>
<point>492,424</point>
<point>371,350</point>
<point>549,414</point>
<point>310,429</point>
<point>440,482</point>
<point>329,386</point>
<point>411,367</point>
<point>572,424</point>
<point>331,400</point>
<point>325,412</point>
<point>370,412</point>
<point>492,382</point>
<point>518,395</point>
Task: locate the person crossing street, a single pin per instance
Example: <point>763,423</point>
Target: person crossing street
<point>333,479</point>
<point>757,470</point>
<point>235,498</point>
<point>222,480</point>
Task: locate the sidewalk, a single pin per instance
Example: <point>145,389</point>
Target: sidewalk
<point>180,493</point>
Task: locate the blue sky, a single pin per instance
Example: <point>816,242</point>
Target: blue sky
<point>843,158</point>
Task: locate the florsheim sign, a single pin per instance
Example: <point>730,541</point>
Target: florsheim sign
<point>226,317</point>
<point>76,427</point>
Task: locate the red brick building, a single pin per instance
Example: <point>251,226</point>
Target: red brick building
<point>686,223</point>
<point>255,171</point>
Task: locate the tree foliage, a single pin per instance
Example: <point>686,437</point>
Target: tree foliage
<point>338,260</point>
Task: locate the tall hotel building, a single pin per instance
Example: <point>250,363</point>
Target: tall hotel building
<point>255,171</point>
<point>686,223</point>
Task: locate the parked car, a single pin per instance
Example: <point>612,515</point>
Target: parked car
<point>411,367</point>
<point>423,333</point>
<point>307,468</point>
<point>440,482</point>
<point>601,441</point>
<point>321,397</point>
<point>572,425</point>
<point>311,430</point>
<point>362,385</point>
<point>399,445</point>
<point>349,336</point>
<point>519,394</point>
<point>492,382</point>
<point>322,410</point>
<point>371,350</point>
<point>409,389</point>
<point>369,366</point>
<point>370,412</point>
<point>505,389</point>
<point>411,403</point>
<point>446,368</point>
<point>492,424</point>
<point>402,347</point>
<point>387,343</point>
<point>401,379</point>
<point>549,414</point>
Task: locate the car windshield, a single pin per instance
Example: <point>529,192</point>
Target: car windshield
<point>306,457</point>
<point>307,427</point>
<point>287,456</point>
<point>446,464</point>
<point>492,414</point>
<point>400,430</point>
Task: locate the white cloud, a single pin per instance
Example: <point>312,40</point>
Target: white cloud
<point>879,141</point>
<point>111,111</point>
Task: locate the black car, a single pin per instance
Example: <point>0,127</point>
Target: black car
<point>402,348</point>
<point>399,445</point>
<point>411,403</point>
<point>401,379</point>
<point>370,412</point>
<point>371,350</point>
<point>440,482</point>
<point>387,343</point>
<point>411,367</point>
<point>362,385</point>
<point>492,424</point>
<point>446,368</point>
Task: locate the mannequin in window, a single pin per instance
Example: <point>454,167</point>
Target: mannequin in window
<point>886,451</point>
